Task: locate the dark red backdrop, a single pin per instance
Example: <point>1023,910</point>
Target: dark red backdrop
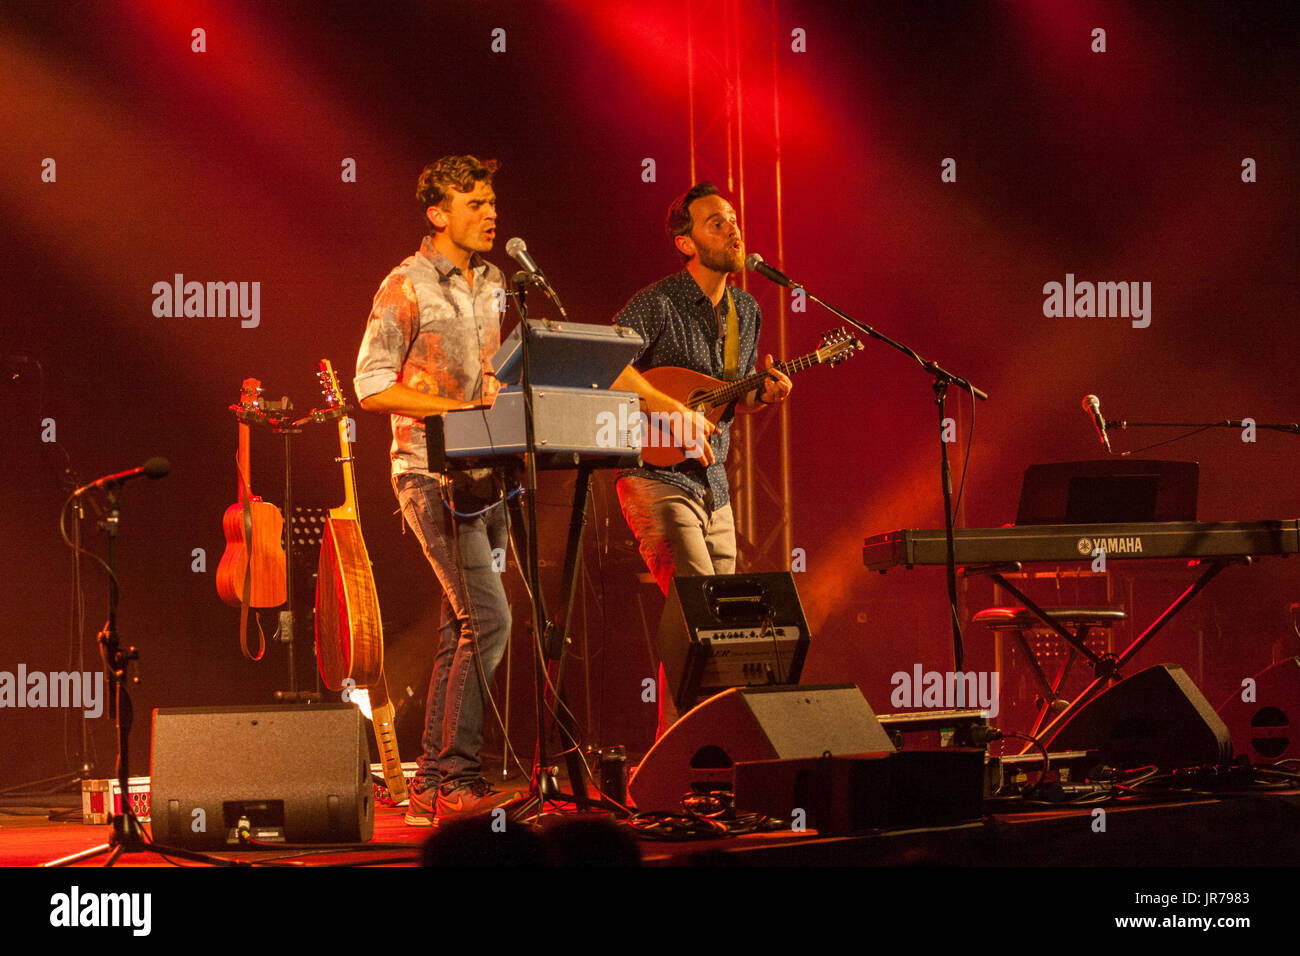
<point>225,166</point>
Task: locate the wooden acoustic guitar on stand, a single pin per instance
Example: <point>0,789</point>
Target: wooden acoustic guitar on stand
<point>252,568</point>
<point>349,632</point>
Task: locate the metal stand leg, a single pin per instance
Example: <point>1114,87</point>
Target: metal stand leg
<point>1112,672</point>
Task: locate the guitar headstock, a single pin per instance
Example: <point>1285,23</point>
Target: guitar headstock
<point>836,346</point>
<point>249,407</point>
<point>335,405</point>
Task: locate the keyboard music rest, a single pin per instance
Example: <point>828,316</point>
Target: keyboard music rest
<point>568,354</point>
<point>909,547</point>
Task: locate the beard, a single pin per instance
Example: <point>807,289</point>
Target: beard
<point>727,260</point>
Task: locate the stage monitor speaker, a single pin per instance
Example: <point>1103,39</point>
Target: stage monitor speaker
<point>698,752</point>
<point>730,630</point>
<point>1156,717</point>
<point>843,795</point>
<point>1261,717</point>
<point>290,774</point>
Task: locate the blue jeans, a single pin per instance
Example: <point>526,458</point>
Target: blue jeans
<point>475,618</point>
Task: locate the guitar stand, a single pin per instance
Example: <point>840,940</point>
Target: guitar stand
<point>279,418</point>
<point>286,629</point>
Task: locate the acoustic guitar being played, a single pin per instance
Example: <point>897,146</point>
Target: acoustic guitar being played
<point>663,445</point>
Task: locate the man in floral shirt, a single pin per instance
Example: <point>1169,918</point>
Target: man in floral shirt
<point>432,331</point>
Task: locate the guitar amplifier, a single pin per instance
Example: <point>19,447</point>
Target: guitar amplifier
<point>731,630</point>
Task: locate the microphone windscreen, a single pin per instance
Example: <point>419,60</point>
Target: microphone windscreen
<point>157,467</point>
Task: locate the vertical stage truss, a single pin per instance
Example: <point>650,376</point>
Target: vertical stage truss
<point>734,118</point>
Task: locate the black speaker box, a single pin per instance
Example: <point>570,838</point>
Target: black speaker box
<point>842,795</point>
<point>1156,717</point>
<point>753,723</point>
<point>290,774</point>
<point>1264,727</point>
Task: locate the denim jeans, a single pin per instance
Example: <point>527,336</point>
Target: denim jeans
<point>475,618</point>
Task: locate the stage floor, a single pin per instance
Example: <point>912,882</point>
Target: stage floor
<point>1233,830</point>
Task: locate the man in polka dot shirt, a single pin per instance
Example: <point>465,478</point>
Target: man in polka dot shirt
<point>681,515</point>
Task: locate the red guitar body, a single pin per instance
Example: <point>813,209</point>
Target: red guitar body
<point>264,545</point>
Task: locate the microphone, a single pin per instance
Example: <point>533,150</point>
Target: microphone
<point>1092,405</point>
<point>153,468</point>
<point>516,249</point>
<point>523,278</point>
<point>755,263</point>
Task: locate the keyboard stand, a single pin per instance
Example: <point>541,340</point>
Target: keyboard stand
<point>1108,669</point>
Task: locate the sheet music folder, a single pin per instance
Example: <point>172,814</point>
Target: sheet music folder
<point>1108,491</point>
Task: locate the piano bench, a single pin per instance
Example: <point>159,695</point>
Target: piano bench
<point>1021,620</point>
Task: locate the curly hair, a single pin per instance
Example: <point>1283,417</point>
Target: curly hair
<point>451,172</point>
<point>679,221</point>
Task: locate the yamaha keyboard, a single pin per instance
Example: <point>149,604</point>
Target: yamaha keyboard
<point>909,547</point>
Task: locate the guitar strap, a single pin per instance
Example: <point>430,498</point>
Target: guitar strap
<point>247,596</point>
<point>731,346</point>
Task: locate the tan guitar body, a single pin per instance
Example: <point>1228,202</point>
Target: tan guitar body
<point>659,447</point>
<point>349,633</point>
<point>711,397</point>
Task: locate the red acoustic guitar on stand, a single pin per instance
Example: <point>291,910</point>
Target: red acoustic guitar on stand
<point>251,572</point>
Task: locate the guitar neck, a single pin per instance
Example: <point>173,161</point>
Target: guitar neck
<point>242,465</point>
<point>349,507</point>
<point>732,391</point>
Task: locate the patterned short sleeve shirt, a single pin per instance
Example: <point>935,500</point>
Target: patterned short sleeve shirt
<point>681,327</point>
<point>430,330</point>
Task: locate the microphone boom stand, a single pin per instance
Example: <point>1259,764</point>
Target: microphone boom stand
<point>548,640</point>
<point>942,379</point>
<point>1197,427</point>
<point>127,835</point>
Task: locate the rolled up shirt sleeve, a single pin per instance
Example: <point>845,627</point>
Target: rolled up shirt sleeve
<point>393,325</point>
